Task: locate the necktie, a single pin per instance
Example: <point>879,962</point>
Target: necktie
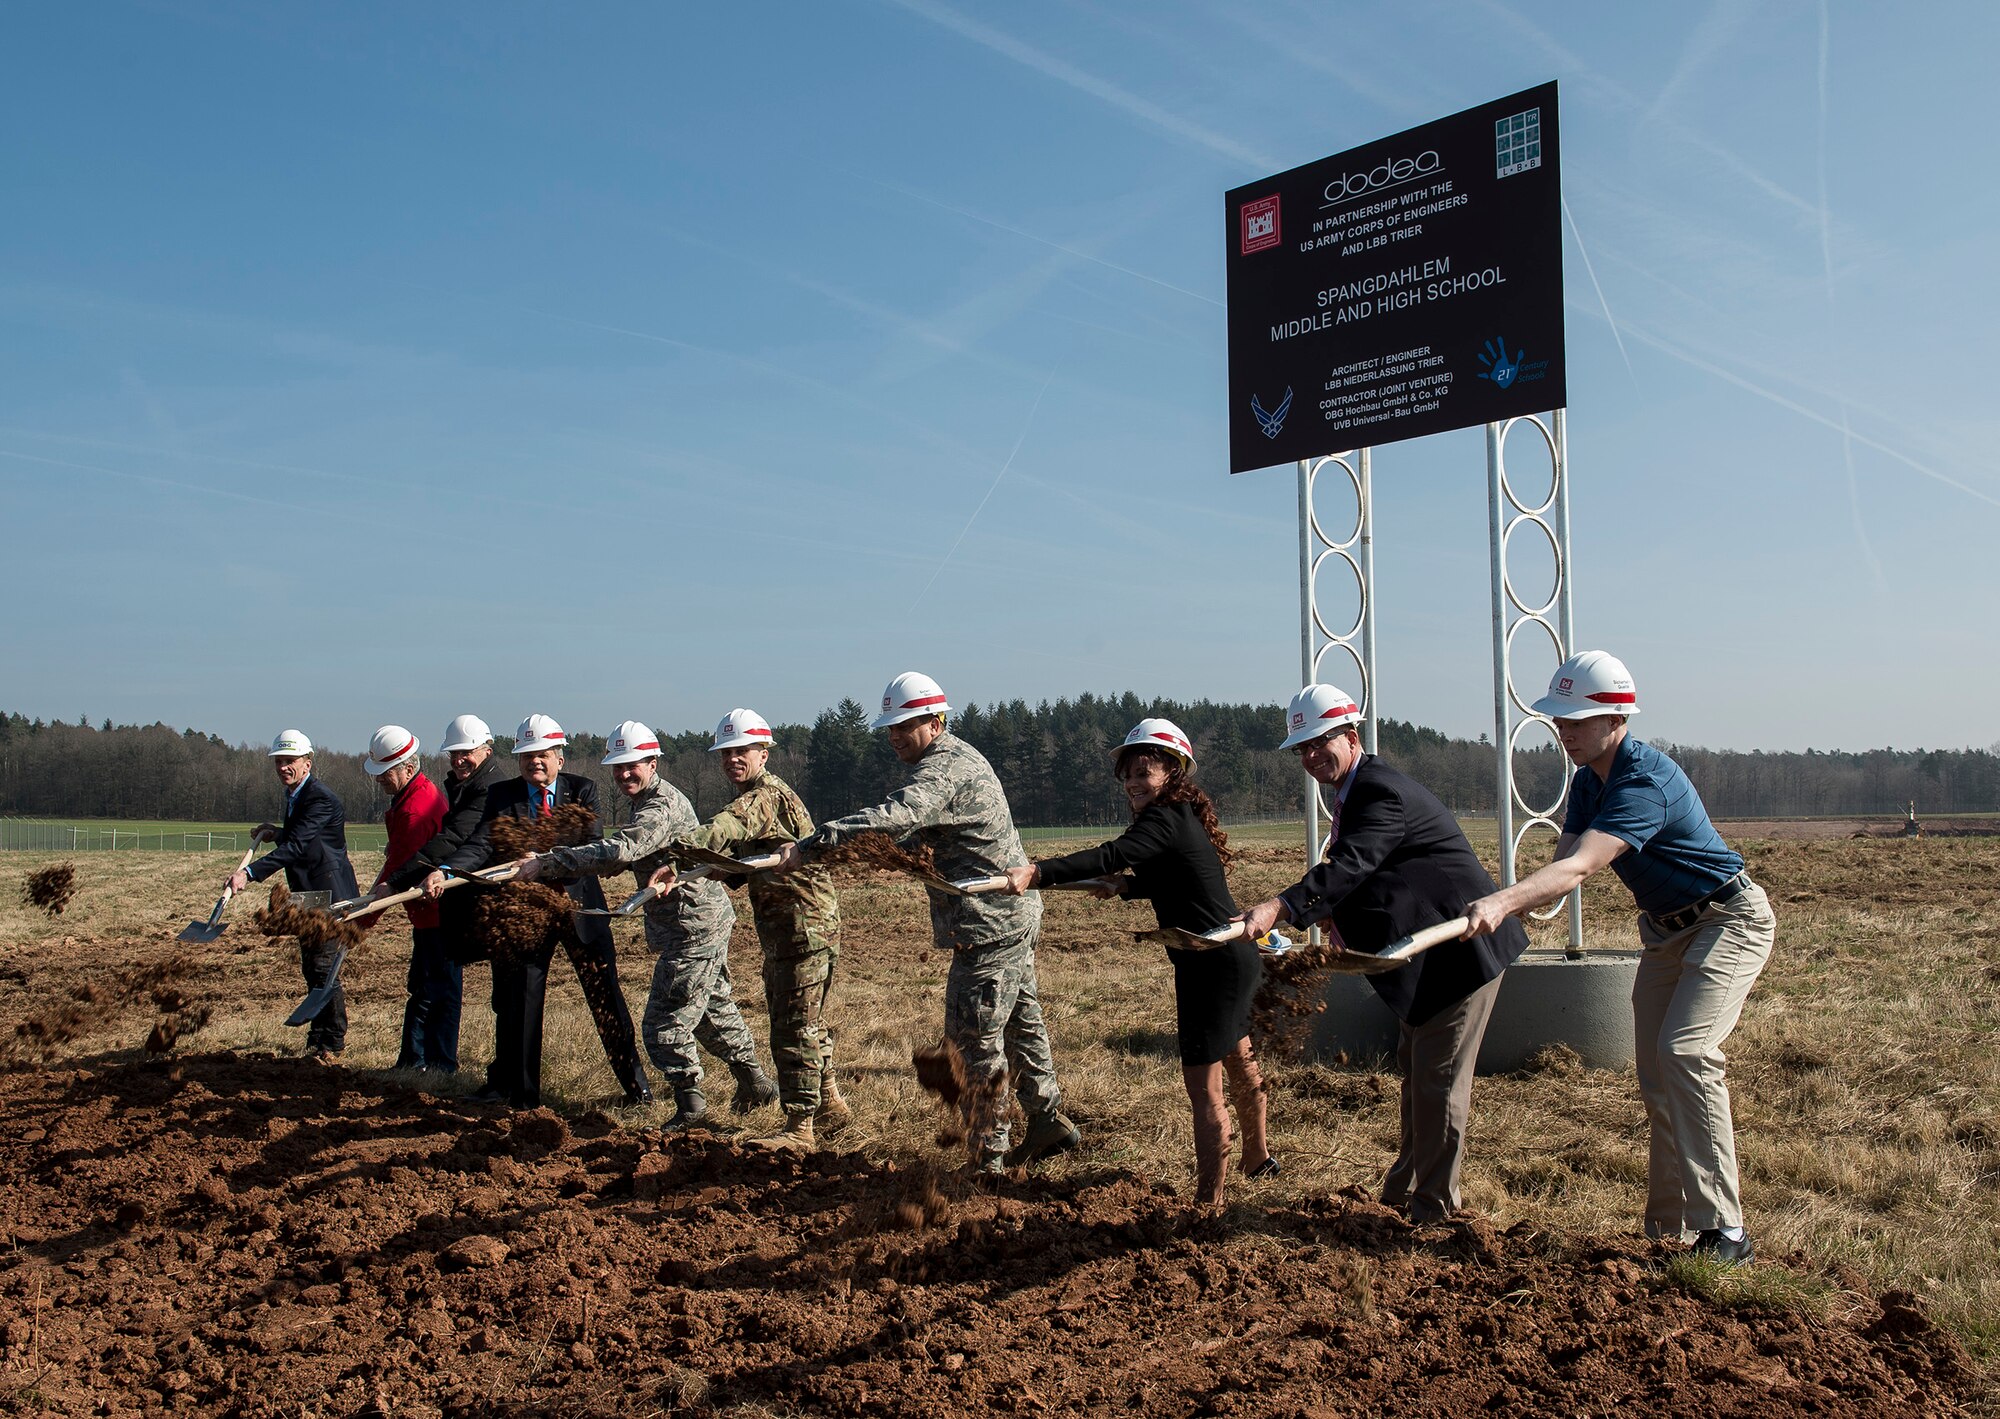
<point>547,809</point>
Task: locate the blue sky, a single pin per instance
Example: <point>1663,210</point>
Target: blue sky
<point>378,363</point>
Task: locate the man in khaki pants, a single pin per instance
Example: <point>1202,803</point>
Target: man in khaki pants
<point>1706,927</point>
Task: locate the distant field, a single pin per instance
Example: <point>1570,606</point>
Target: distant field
<point>148,835</point>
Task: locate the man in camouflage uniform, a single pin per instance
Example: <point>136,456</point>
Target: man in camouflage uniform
<point>690,1000</point>
<point>954,805</point>
<point>798,925</point>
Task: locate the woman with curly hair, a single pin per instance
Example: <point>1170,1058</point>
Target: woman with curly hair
<point>1173,855</point>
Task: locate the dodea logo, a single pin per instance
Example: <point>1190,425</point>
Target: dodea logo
<point>1390,172</point>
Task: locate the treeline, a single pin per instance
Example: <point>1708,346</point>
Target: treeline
<point>1054,759</point>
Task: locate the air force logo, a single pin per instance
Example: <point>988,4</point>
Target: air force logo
<point>1272,420</point>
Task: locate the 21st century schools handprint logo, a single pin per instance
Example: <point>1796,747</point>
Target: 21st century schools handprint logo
<point>1506,370</point>
<point>1272,420</point>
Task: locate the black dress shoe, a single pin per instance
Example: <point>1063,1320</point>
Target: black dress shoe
<point>1713,1245</point>
<point>1267,1169</point>
<point>486,1094</point>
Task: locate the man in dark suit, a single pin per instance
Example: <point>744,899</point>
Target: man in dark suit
<point>519,985</point>
<point>1395,863</point>
<point>312,848</point>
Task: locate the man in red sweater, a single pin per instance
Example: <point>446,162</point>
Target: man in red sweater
<point>416,808</point>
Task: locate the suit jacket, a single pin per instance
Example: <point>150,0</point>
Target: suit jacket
<point>514,798</point>
<point>1400,864</point>
<point>312,845</point>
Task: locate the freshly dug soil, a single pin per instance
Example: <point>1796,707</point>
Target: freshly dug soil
<point>973,1106</point>
<point>41,1036</point>
<point>253,1236</point>
<point>313,927</point>
<point>516,920</point>
<point>571,825</point>
<point>877,852</point>
<point>51,888</point>
<point>1292,992</point>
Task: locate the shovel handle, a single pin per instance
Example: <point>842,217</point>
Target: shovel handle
<point>1418,942</point>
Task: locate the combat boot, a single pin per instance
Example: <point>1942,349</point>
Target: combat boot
<point>754,1088</point>
<point>690,1105</point>
<point>834,1115</point>
<point>1049,1134</point>
<point>795,1137</point>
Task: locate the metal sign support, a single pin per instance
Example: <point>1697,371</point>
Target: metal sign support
<point>1357,551</point>
<point>1511,615</point>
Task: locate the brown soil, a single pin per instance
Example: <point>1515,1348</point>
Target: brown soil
<point>313,927</point>
<point>877,852</point>
<point>972,1105</point>
<point>88,1004</point>
<point>569,826</point>
<point>226,1235</point>
<point>1292,992</point>
<point>51,888</point>
<point>517,920</point>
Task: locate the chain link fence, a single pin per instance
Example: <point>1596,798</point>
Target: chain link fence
<point>33,835</point>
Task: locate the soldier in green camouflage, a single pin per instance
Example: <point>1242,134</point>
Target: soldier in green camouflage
<point>798,926</point>
<point>955,806</point>
<point>690,999</point>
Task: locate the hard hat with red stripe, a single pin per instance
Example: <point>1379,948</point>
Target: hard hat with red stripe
<point>1588,684</point>
<point>1159,734</point>
<point>1317,710</point>
<point>392,745</point>
<point>629,743</point>
<point>538,732</point>
<point>910,696</point>
<point>466,731</point>
<point>740,729</point>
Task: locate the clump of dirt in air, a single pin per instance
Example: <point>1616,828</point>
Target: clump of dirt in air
<point>517,919</point>
<point>313,927</point>
<point>571,825</point>
<point>973,1105</point>
<point>51,888</point>
<point>877,852</point>
<point>1292,992</point>
<point>41,1036</point>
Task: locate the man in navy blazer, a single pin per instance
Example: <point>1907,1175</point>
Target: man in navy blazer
<point>1396,862</point>
<point>312,848</point>
<point>520,985</point>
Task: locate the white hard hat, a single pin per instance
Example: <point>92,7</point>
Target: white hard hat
<point>910,696</point>
<point>538,731</point>
<point>1317,710</point>
<point>391,746</point>
<point>1159,734</point>
<point>468,731</point>
<point>740,727</point>
<point>1589,683</point>
<point>290,744</point>
<point>629,743</point>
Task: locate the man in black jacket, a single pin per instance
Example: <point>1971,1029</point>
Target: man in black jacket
<point>312,848</point>
<point>519,985</point>
<point>437,986</point>
<point>1395,863</point>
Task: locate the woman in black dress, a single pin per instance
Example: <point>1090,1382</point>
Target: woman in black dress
<point>1173,855</point>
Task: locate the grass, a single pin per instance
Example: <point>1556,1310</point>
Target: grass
<point>361,837</point>
<point>1865,1076</point>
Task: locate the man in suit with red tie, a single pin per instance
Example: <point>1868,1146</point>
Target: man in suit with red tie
<point>519,985</point>
<point>312,848</point>
<point>1395,863</point>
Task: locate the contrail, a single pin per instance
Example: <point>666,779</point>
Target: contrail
<point>1591,271</point>
<point>1026,424</point>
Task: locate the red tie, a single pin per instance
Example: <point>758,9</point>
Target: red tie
<point>547,809</point>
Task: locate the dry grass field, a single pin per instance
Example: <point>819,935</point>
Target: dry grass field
<point>1865,1074</point>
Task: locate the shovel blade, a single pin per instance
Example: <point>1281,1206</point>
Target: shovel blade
<point>202,931</point>
<point>317,1000</point>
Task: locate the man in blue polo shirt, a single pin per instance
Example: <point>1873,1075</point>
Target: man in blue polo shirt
<point>1706,928</point>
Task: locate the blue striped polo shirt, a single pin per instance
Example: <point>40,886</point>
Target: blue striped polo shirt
<point>1676,856</point>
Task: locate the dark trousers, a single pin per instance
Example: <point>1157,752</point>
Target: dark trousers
<point>519,990</point>
<point>430,1016</point>
<point>328,1029</point>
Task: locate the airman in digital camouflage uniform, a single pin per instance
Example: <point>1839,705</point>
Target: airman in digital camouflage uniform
<point>954,805</point>
<point>690,1000</point>
<point>798,925</point>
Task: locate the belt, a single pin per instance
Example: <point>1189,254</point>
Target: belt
<point>1691,913</point>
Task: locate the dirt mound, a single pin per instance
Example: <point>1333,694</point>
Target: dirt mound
<point>877,852</point>
<point>256,1236</point>
<point>50,888</point>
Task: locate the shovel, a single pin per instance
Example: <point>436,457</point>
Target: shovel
<point>1086,885</point>
<point>963,886</point>
<point>722,862</point>
<point>316,1000</point>
<point>1397,954</point>
<point>1193,940</point>
<point>368,906</point>
<point>213,927</point>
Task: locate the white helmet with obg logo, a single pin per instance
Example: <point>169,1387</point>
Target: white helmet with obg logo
<point>629,743</point>
<point>1588,684</point>
<point>537,732</point>
<point>1159,734</point>
<point>392,745</point>
<point>290,744</point>
<point>741,728</point>
<point>910,696</point>
<point>1317,710</point>
<point>468,731</point>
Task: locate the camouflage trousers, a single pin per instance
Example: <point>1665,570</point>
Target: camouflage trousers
<point>691,1001</point>
<point>795,989</point>
<point>993,1013</point>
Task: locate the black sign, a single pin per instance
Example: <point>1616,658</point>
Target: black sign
<point>1402,288</point>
